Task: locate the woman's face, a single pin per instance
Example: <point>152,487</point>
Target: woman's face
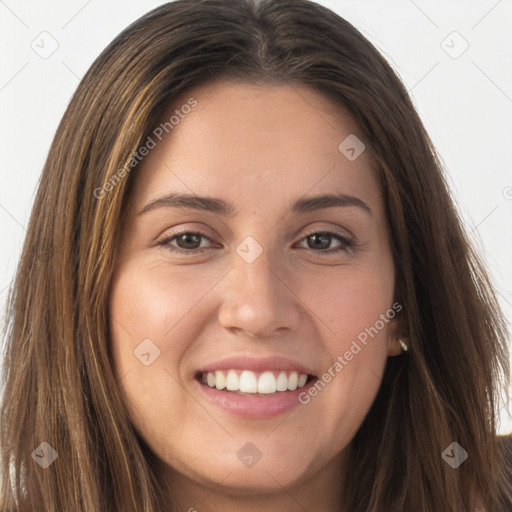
<point>279,285</point>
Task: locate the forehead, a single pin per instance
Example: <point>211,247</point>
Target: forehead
<point>240,139</point>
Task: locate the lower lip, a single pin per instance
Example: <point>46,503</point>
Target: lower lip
<point>254,407</point>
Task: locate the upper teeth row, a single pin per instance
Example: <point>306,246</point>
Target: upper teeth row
<point>249,382</point>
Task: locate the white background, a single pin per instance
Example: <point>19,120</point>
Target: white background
<point>465,102</point>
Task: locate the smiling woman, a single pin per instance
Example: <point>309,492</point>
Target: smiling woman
<point>245,287</point>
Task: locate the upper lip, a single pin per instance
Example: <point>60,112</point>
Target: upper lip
<point>257,364</point>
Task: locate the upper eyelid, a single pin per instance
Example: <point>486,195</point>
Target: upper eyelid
<point>310,228</point>
<point>307,232</point>
<point>332,231</point>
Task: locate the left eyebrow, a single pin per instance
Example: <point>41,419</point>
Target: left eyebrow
<point>309,204</point>
<point>219,206</point>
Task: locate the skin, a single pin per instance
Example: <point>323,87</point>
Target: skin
<point>259,148</point>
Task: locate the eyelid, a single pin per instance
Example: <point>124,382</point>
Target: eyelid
<point>164,239</point>
<point>185,228</point>
<point>347,235</point>
<point>347,243</point>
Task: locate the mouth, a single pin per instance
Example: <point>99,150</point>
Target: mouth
<point>263,384</point>
<point>254,388</point>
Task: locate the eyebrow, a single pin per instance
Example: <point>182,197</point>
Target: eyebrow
<point>219,206</point>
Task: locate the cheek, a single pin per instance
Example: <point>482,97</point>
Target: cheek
<point>144,310</point>
<point>149,301</point>
<point>349,301</point>
<point>155,317</point>
<point>353,311</point>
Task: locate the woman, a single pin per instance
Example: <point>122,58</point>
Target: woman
<point>245,286</point>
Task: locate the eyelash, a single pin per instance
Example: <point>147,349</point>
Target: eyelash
<point>166,242</point>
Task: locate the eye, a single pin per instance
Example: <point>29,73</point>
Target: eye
<point>323,239</point>
<point>190,242</point>
<point>187,242</point>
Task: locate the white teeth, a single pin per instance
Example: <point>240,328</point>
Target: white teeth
<point>232,381</point>
<point>293,380</point>
<point>267,383</point>
<point>282,382</point>
<point>247,381</point>
<point>220,381</point>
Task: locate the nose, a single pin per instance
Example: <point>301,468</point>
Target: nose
<point>258,299</point>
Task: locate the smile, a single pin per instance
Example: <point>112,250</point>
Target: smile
<point>268,382</point>
<point>254,387</point>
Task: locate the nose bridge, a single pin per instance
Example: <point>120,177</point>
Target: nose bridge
<point>255,279</point>
<point>255,299</point>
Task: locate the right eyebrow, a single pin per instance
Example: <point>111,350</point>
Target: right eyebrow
<point>209,204</point>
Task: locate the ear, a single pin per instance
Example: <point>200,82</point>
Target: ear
<point>397,332</point>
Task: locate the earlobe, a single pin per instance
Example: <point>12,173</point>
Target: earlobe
<point>398,342</point>
<point>396,346</point>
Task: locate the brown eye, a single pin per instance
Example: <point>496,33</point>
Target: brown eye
<point>187,242</point>
<point>320,241</point>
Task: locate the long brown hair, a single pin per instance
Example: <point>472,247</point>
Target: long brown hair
<point>59,385</point>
